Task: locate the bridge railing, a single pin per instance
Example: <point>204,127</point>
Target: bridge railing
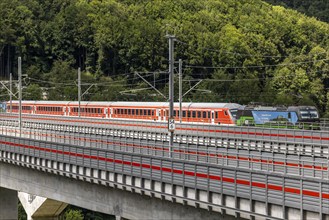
<point>190,180</point>
<point>313,143</point>
<point>96,138</point>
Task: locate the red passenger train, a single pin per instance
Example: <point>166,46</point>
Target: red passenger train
<point>210,113</point>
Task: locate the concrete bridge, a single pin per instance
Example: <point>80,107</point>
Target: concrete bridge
<point>124,169</point>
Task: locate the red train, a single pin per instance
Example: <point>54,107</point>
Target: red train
<point>211,113</point>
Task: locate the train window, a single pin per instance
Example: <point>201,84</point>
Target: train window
<point>137,111</point>
<point>189,114</point>
<point>225,112</point>
<point>132,111</point>
<point>145,112</point>
<point>208,114</point>
<point>184,113</point>
<point>26,108</point>
<point>193,114</point>
<point>174,113</point>
<point>204,114</point>
<point>150,112</point>
<point>129,111</point>
<point>125,111</point>
<point>314,114</point>
<point>216,114</point>
<point>199,114</point>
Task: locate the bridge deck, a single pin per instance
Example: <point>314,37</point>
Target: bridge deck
<point>212,167</point>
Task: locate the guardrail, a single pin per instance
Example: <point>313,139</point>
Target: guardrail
<point>311,143</point>
<point>157,145</point>
<point>193,182</point>
<point>324,124</point>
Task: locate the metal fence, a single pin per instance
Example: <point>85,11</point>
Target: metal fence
<point>156,144</point>
<point>206,179</point>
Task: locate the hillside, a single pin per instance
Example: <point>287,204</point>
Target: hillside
<point>315,8</point>
<point>232,45</point>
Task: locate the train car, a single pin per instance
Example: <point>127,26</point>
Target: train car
<point>305,117</point>
<point>210,113</point>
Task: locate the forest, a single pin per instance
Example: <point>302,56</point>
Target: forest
<point>243,51</point>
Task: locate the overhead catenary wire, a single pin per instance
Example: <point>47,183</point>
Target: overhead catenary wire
<point>250,67</point>
<point>240,54</point>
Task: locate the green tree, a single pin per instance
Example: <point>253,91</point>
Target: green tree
<point>72,214</point>
<point>33,92</point>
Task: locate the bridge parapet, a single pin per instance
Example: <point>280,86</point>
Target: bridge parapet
<point>193,181</point>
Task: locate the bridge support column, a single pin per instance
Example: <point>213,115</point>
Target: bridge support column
<point>39,208</point>
<point>8,204</point>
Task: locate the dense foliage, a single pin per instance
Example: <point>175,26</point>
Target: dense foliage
<point>242,50</point>
<point>316,8</point>
<point>76,213</point>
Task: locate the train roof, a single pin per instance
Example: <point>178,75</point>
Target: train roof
<point>135,104</point>
<point>302,107</point>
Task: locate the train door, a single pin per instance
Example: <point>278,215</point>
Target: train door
<point>64,111</point>
<point>106,112</point>
<point>34,109</point>
<point>164,111</point>
<point>111,113</point>
<point>158,115</point>
<point>212,117</point>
